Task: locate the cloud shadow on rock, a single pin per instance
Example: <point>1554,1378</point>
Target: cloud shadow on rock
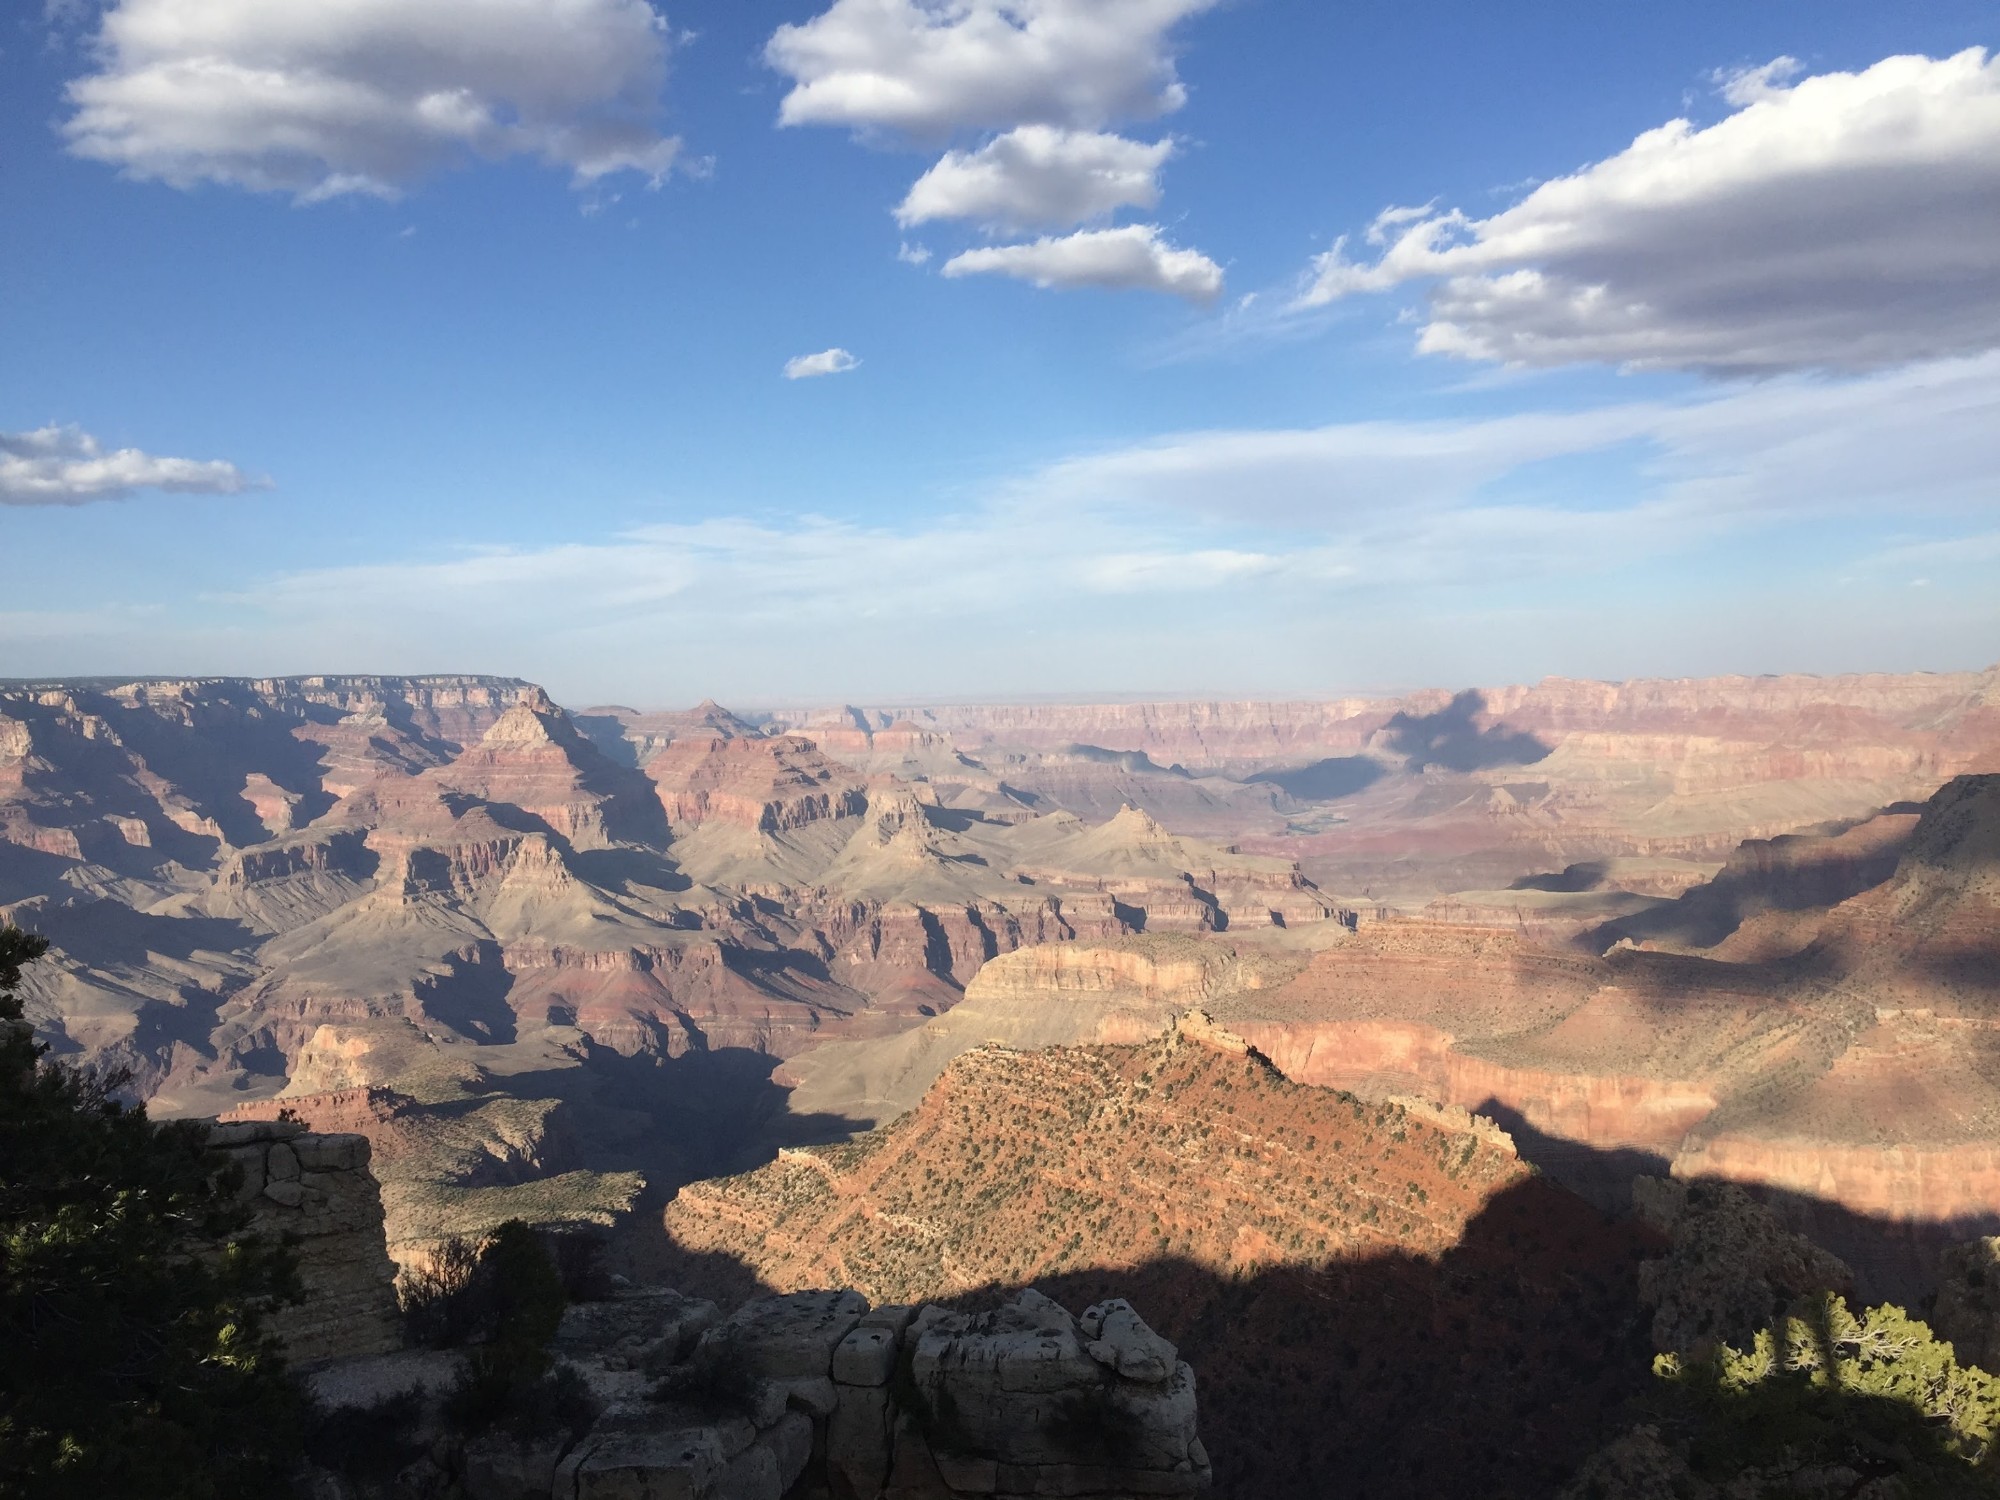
<point>1325,780</point>
<point>1453,739</point>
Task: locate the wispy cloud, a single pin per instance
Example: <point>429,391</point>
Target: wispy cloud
<point>1258,557</point>
<point>1345,507</point>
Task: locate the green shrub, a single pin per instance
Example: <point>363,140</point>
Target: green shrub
<point>497,1393</point>
<point>439,1300</point>
<point>579,1258</point>
<point>525,1291</point>
<point>1877,1394</point>
<point>512,1302</point>
<point>132,1356</point>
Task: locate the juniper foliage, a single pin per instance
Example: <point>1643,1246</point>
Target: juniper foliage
<point>132,1355</point>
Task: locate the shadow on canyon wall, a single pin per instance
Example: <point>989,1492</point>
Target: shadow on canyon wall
<point>1892,1261</point>
<point>1136,761</point>
<point>1704,915</point>
<point>1326,780</point>
<point>1453,739</point>
<point>1493,1370</point>
<point>707,1113</point>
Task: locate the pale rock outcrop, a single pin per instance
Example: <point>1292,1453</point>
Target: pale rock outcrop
<point>317,1192</point>
<point>1023,1400</point>
<point>817,1390</point>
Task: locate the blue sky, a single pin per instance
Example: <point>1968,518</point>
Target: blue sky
<point>1255,348</point>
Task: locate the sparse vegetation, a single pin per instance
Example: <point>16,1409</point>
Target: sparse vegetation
<point>437,1296</point>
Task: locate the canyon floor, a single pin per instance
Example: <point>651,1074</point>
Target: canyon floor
<point>562,964</point>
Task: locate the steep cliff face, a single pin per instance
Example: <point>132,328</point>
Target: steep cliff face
<point>1122,992</point>
<point>178,768</point>
<point>767,785</point>
<point>1386,1058</point>
<point>533,758</point>
<point>1934,723</point>
<point>1771,894</point>
<point>315,1192</point>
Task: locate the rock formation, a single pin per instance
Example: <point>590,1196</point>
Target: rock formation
<point>316,1193</point>
<point>451,893</point>
<point>1117,1140</point>
<point>1377,1291</point>
<point>1967,1311</point>
<point>316,886</point>
<point>817,1389</point>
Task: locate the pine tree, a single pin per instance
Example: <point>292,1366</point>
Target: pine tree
<point>132,1361</point>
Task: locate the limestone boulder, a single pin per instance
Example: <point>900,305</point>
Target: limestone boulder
<point>793,1336</point>
<point>641,1328</point>
<point>664,1464</point>
<point>1013,1401</point>
<point>1120,1339</point>
<point>867,1356</point>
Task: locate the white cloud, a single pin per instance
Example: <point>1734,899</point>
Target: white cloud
<point>67,466</point>
<point>1355,506</point>
<point>1765,526</point>
<point>333,97</point>
<point>1848,221</point>
<point>1133,256</point>
<point>913,255</point>
<point>1039,176</point>
<point>826,362</point>
<point>1923,440</point>
<point>926,68</point>
<point>1741,86</point>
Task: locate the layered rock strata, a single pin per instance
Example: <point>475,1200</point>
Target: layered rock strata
<point>316,1193</point>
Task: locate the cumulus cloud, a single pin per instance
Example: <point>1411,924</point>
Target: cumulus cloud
<point>1048,76</point>
<point>1133,256</point>
<point>67,466</point>
<point>925,68</point>
<point>1039,176</point>
<point>826,362</point>
<point>1846,222</point>
<point>367,96</point>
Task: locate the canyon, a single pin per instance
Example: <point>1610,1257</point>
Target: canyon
<point>559,965</point>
